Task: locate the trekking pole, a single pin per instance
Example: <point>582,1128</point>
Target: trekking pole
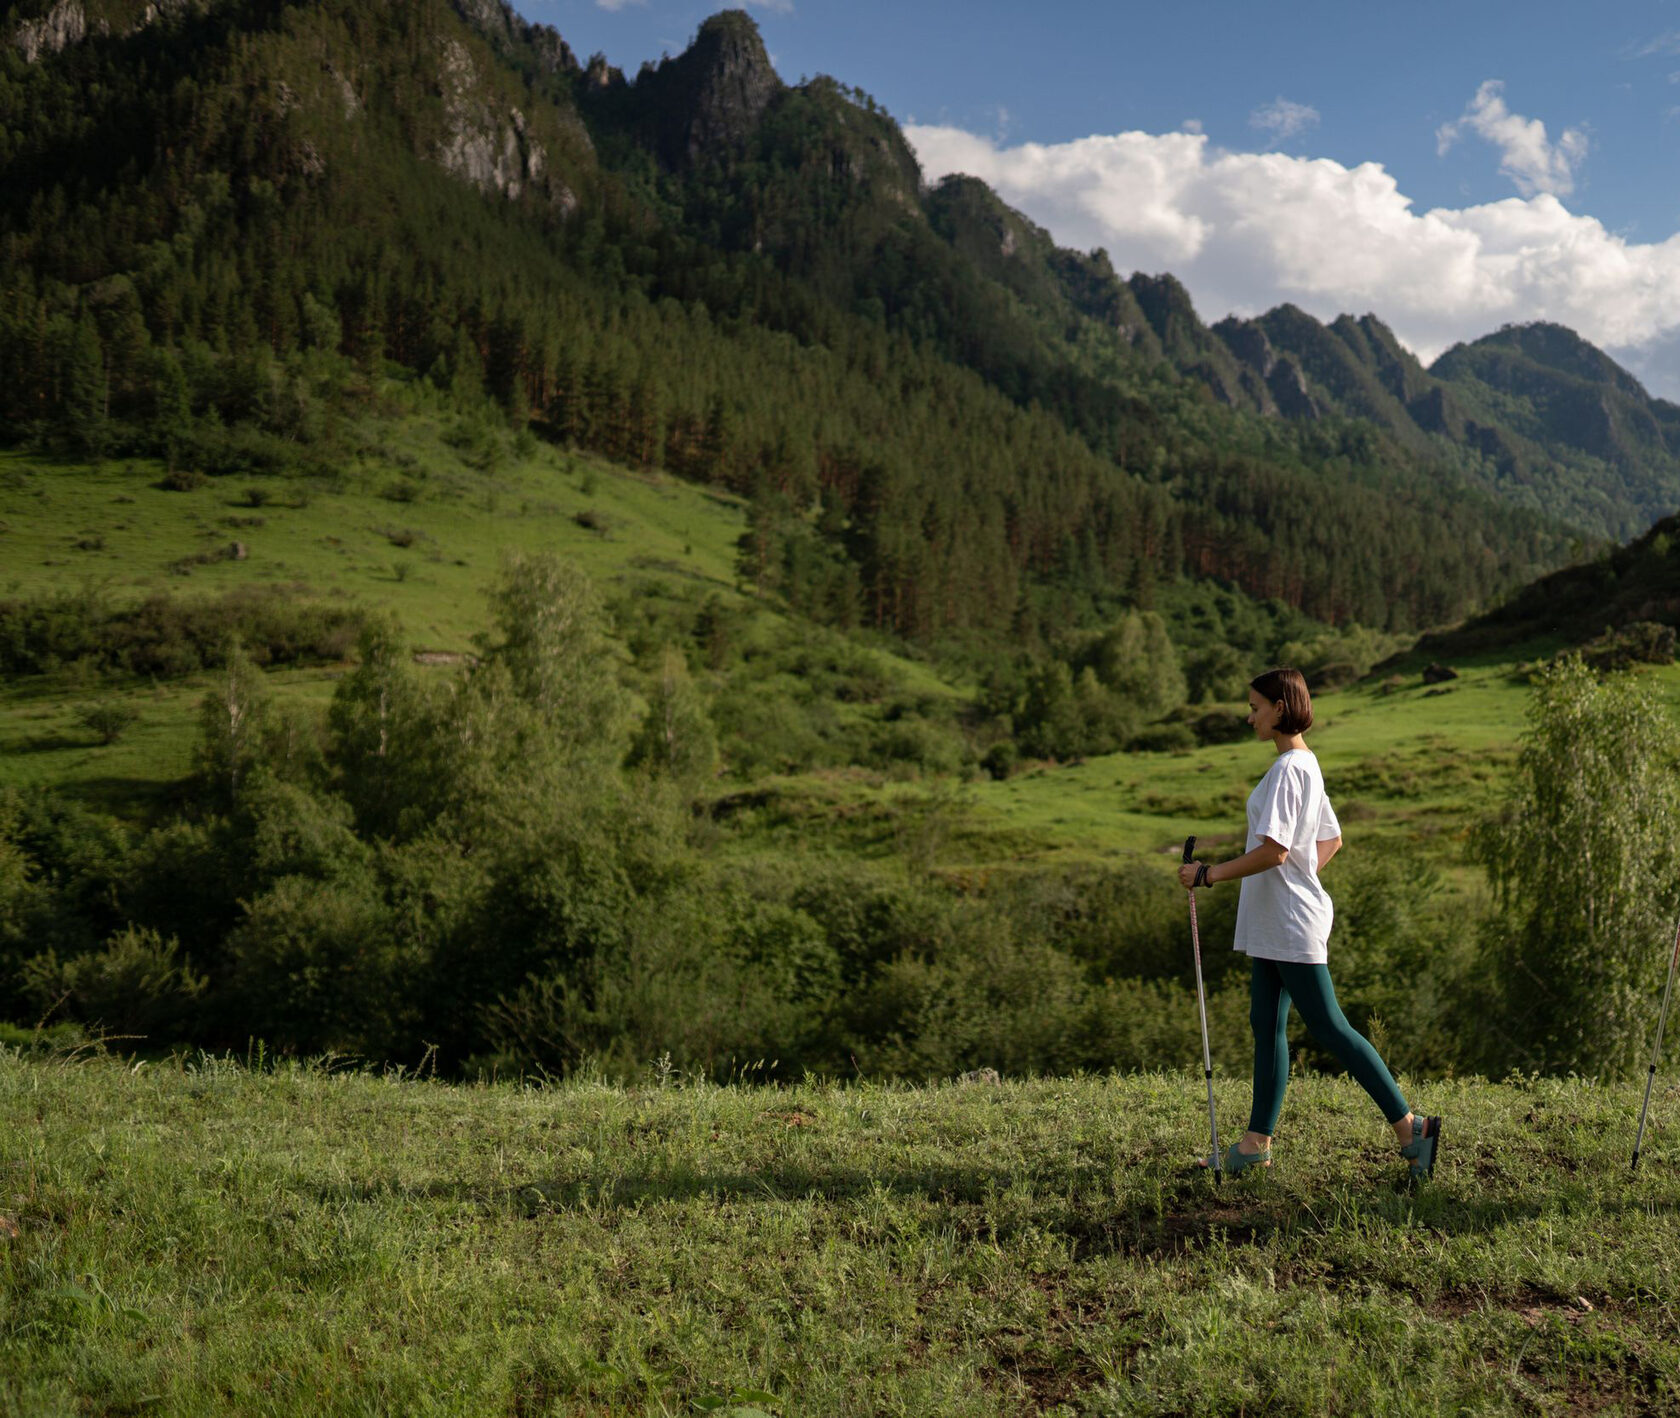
<point>1656,1049</point>
<point>1201,1006</point>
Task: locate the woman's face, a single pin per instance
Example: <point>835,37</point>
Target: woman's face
<point>1262,716</point>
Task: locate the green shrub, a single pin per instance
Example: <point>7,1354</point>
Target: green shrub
<point>930,747</point>
<point>1163,738</point>
<point>762,731</point>
<point>714,984</point>
<point>137,985</point>
<point>107,719</point>
<point>1218,727</point>
<point>315,966</point>
<point>170,636</point>
<point>1000,759</point>
<point>1642,642</point>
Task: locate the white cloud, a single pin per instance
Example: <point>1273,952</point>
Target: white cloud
<point>615,5</point>
<point>1663,44</point>
<point>1281,119</point>
<point>1525,156</point>
<point>1247,231</point>
<point>779,7</point>
<point>1190,125</point>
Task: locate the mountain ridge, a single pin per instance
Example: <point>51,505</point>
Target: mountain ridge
<point>311,145</point>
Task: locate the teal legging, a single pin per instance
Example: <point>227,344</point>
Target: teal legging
<point>1273,984</point>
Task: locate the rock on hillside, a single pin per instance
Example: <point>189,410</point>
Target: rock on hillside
<point>708,100</point>
<point>64,23</point>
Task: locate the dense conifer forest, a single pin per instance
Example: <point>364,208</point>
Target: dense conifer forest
<point>222,226</point>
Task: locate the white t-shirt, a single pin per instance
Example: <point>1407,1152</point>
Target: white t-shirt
<point>1284,913</point>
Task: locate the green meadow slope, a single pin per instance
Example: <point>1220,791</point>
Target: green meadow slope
<point>415,526</point>
<point>196,1238</point>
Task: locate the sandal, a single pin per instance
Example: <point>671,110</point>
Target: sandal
<point>1424,1147</point>
<point>1236,1159</point>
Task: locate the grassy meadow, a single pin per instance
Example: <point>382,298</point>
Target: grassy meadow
<point>199,1237</point>
<point>415,525</point>
<point>188,1234</point>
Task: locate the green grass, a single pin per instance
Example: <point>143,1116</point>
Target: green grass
<point>114,526</point>
<point>1413,767</point>
<point>194,1238</point>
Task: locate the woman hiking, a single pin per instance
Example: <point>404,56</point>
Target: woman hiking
<point>1283,925</point>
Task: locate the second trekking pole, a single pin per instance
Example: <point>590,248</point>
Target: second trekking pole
<point>1656,1050</point>
<point>1201,1006</point>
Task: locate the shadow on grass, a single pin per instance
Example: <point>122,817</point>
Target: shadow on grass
<point>1183,1213</point>
<point>129,798</point>
<point>52,743</point>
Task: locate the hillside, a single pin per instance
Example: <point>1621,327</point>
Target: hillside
<point>521,566</point>
<point>1533,415</point>
<point>195,1236</point>
<point>948,427</point>
<point>1629,585</point>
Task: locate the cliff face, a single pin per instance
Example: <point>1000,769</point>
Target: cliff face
<point>711,98</point>
<point>486,143</point>
<point>69,22</point>
<point>63,25</point>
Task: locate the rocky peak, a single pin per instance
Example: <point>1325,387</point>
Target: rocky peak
<point>498,22</point>
<point>488,143</point>
<point>714,93</point>
<point>1560,348</point>
<point>1248,342</point>
<point>1168,308</point>
<point>602,75</point>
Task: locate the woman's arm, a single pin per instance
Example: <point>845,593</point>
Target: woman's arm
<point>1327,849</point>
<point>1267,855</point>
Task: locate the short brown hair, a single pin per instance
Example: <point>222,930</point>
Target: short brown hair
<point>1286,686</point>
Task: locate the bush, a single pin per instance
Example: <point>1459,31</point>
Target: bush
<point>137,985</point>
<point>168,636</point>
<point>764,731</point>
<point>315,966</point>
<point>1217,728</point>
<point>108,719</point>
<point>1643,642</point>
<point>1000,759</point>
<point>1163,738</point>
<point>928,746</point>
<point>717,984</point>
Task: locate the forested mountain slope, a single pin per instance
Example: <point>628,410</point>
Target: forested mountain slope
<point>223,224</point>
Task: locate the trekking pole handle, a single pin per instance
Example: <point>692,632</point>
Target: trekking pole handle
<point>1189,848</point>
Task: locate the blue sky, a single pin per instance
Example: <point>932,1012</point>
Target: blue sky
<point>1450,168</point>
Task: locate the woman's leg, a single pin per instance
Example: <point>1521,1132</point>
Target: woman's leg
<point>1315,997</point>
<point>1268,1013</point>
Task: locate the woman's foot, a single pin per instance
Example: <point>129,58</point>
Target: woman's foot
<point>1250,1150</point>
<point>1421,1152</point>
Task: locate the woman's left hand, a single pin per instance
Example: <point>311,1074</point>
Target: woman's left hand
<point>1187,874</point>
